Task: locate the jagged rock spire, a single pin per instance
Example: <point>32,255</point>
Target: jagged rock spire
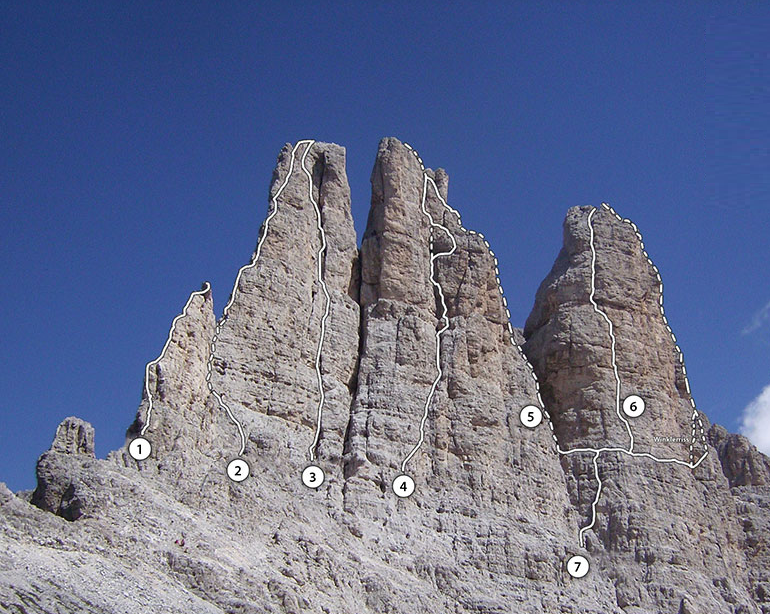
<point>406,350</point>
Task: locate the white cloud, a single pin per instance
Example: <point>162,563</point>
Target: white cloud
<point>758,320</point>
<point>756,421</point>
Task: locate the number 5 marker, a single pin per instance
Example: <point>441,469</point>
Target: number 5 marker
<point>531,416</point>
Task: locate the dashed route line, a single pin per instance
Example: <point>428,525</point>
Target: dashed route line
<point>511,334</point>
<point>696,417</point>
<point>322,234</point>
<point>152,363</point>
<point>597,452</point>
<point>443,319</point>
<point>638,455</point>
<point>613,341</point>
<point>226,311</point>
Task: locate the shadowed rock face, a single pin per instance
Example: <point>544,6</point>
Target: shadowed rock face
<point>496,511</point>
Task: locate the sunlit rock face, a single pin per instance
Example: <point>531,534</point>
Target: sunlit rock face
<point>410,342</point>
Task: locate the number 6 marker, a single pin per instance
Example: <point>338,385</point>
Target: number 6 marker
<point>633,406</point>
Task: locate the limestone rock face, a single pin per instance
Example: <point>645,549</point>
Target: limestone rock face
<point>74,436</point>
<point>59,489</point>
<point>400,358</point>
<point>742,463</point>
<point>654,512</point>
<point>570,343</point>
<point>182,419</point>
<point>748,472</point>
<point>266,353</point>
<point>456,530</point>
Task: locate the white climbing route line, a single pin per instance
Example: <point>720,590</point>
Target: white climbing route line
<point>675,461</point>
<point>152,363</point>
<point>582,532</point>
<point>226,311</point>
<point>511,335</point>
<point>691,464</point>
<point>696,417</point>
<point>443,319</point>
<point>322,234</point>
<point>613,341</point>
<point>597,452</point>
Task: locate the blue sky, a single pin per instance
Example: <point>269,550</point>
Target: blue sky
<point>138,142</point>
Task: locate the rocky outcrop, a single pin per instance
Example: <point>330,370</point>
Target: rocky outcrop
<point>59,487</point>
<point>574,351</point>
<point>748,472</point>
<point>479,474</point>
<point>742,463</point>
<point>420,373</point>
<point>182,423</point>
<point>266,353</point>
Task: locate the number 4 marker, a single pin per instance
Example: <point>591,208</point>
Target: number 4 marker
<point>403,486</point>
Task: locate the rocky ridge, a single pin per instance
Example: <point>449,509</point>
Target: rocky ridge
<point>497,510</point>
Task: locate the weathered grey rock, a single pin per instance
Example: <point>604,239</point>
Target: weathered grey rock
<point>267,348</point>
<point>570,342</point>
<point>5,493</point>
<point>662,521</point>
<point>748,472</point>
<point>74,436</point>
<point>489,518</point>
<point>742,463</point>
<point>182,424</point>
<point>496,511</point>
<point>58,488</point>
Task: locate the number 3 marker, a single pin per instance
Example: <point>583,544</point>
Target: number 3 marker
<point>313,476</point>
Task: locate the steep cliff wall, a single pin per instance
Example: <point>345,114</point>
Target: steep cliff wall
<point>396,360</point>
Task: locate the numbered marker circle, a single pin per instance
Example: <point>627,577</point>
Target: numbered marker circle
<point>313,476</point>
<point>238,470</point>
<point>403,486</point>
<point>577,566</point>
<point>633,406</point>
<point>531,416</point>
<point>139,448</point>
